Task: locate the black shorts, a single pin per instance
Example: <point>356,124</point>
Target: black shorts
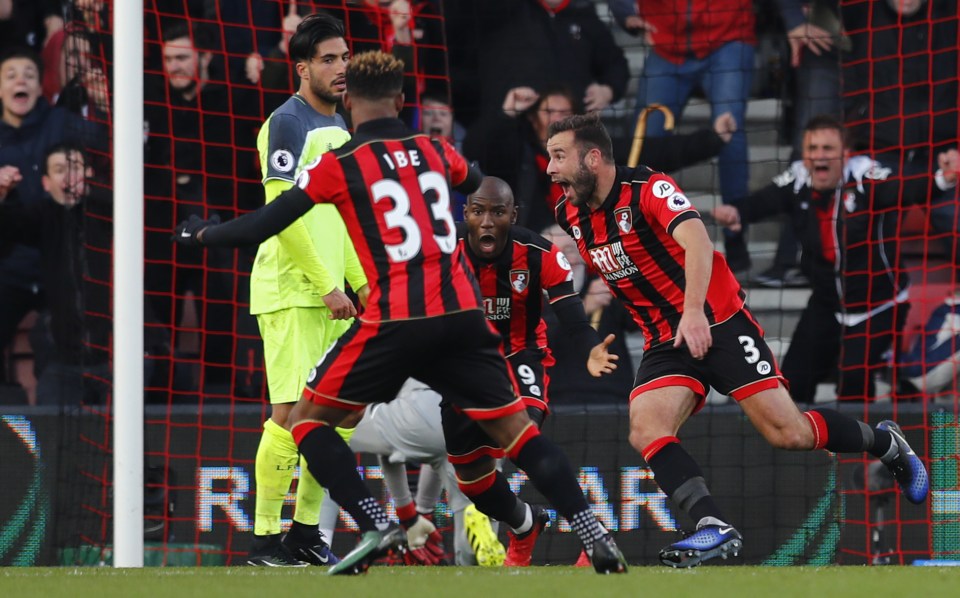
<point>466,440</point>
<point>458,355</point>
<point>739,363</point>
<point>529,368</point>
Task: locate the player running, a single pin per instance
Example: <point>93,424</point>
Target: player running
<point>642,234</point>
<point>423,319</point>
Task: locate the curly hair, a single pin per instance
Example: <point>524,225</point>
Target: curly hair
<point>374,76</point>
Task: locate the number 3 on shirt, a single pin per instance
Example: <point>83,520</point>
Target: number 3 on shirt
<point>399,216</point>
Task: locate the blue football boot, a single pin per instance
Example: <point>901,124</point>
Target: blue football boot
<point>906,467</point>
<point>315,551</point>
<point>713,538</point>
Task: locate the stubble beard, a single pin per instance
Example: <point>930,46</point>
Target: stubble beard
<point>325,94</point>
<point>584,184</point>
<point>185,90</point>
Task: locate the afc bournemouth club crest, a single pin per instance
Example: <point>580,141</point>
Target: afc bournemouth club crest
<point>624,218</point>
<point>519,280</point>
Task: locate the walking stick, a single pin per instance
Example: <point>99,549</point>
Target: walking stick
<point>641,130</point>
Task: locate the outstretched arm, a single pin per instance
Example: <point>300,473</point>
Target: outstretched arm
<point>728,216</point>
<point>572,317</point>
<point>250,229</point>
<point>674,152</point>
<point>601,361</point>
<point>897,189</point>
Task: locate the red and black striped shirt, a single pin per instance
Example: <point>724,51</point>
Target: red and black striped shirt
<point>392,188</point>
<point>629,242</point>
<point>513,284</point>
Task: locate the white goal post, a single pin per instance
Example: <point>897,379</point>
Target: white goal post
<point>128,284</point>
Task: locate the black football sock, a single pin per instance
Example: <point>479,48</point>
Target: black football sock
<point>847,435</point>
<point>333,465</point>
<point>680,478</point>
<point>301,532</point>
<point>264,544</point>
<point>500,503</point>
<point>550,472</point>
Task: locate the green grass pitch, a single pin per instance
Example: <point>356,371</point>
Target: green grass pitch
<point>462,582</point>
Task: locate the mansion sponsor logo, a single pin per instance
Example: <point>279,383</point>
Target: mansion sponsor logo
<point>496,308</point>
<point>612,261</point>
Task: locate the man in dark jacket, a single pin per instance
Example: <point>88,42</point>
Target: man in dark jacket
<point>199,159</point>
<point>28,127</point>
<point>549,41</point>
<point>900,91</point>
<point>846,215</point>
<point>70,228</point>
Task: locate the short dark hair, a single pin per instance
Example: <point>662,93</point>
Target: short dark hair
<point>588,133</point>
<point>374,75</point>
<point>314,29</point>
<point>202,38</point>
<point>63,147</point>
<point>822,122</point>
<point>556,89</point>
<point>436,98</point>
<point>23,52</point>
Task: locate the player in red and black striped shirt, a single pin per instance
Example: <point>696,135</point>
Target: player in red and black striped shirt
<point>392,188</point>
<point>514,267</point>
<point>642,234</point>
<point>630,245</point>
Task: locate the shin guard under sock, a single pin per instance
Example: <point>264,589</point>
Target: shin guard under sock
<point>273,470</point>
<point>333,465</point>
<point>680,478</point>
<point>309,493</point>
<point>550,472</point>
<point>492,497</point>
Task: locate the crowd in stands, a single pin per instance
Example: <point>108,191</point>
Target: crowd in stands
<point>491,77</point>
